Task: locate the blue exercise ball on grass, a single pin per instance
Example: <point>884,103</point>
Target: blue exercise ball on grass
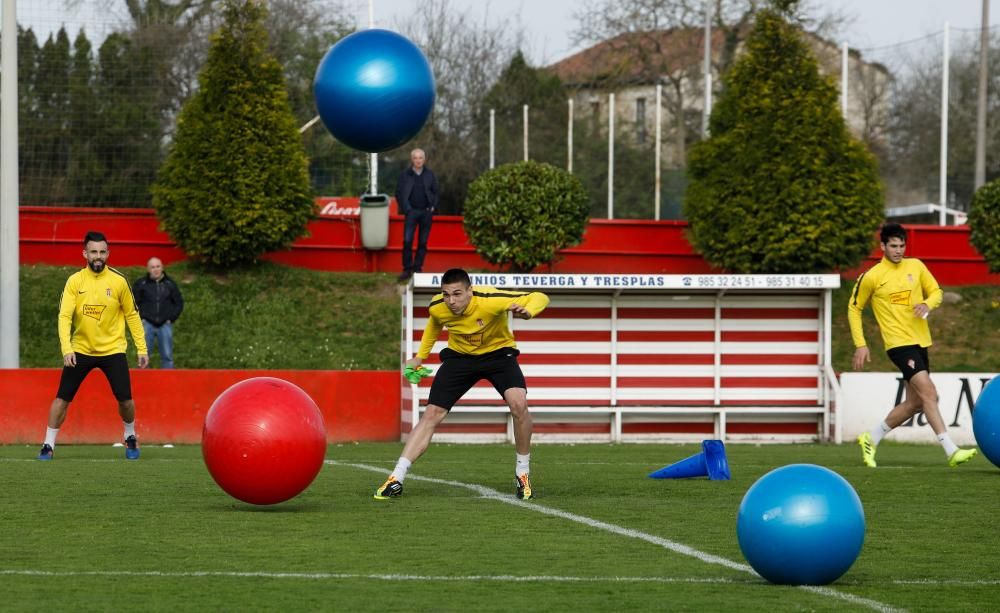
<point>374,90</point>
<point>801,524</point>
<point>986,421</point>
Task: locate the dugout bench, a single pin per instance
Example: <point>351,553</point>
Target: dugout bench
<point>632,358</point>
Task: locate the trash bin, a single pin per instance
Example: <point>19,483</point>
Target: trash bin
<point>374,221</point>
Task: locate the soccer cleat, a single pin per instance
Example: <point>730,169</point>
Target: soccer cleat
<point>390,489</point>
<point>131,448</point>
<point>523,485</point>
<point>867,449</point>
<point>961,457</point>
<point>45,453</point>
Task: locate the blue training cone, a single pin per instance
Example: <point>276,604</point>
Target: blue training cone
<point>711,463</point>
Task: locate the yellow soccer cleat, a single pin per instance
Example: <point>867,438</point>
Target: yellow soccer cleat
<point>867,449</point>
<point>961,457</point>
<point>390,489</point>
<point>523,485</point>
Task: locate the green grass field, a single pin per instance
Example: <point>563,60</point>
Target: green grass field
<point>92,531</point>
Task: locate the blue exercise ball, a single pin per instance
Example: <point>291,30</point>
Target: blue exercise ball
<point>374,90</point>
<point>986,421</point>
<point>801,524</point>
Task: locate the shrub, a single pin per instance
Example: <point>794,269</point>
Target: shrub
<point>780,186</point>
<point>984,223</point>
<point>235,183</point>
<point>519,215</point>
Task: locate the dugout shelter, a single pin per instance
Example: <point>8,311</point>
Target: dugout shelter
<point>645,357</point>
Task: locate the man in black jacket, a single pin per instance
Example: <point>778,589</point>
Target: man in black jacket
<point>417,196</point>
<point>160,304</point>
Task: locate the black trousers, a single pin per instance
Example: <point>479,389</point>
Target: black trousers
<point>415,218</point>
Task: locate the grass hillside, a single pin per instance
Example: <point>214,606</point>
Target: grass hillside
<point>272,316</point>
<point>964,329</point>
<point>267,316</point>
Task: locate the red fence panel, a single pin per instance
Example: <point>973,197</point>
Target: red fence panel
<point>52,235</point>
<point>171,404</point>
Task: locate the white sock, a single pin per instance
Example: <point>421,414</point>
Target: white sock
<point>523,465</point>
<point>129,428</point>
<point>50,436</point>
<point>879,432</point>
<point>402,466</point>
<point>949,446</point>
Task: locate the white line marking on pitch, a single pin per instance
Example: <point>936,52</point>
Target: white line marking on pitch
<point>674,546</point>
<point>380,577</point>
<point>450,578</point>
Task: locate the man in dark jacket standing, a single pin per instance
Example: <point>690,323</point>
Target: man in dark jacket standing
<point>417,196</point>
<point>160,304</point>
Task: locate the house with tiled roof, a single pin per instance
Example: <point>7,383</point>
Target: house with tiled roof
<point>631,65</point>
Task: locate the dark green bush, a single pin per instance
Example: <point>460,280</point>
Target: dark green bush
<point>235,183</point>
<point>984,223</point>
<point>781,186</point>
<point>519,215</point>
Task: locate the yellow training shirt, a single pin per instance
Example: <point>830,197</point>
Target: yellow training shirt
<point>95,306</point>
<point>482,328</point>
<point>894,290</point>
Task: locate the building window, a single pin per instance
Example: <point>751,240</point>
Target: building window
<point>595,114</point>
<point>640,120</point>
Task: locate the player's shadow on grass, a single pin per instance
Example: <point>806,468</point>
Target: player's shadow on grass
<point>281,507</point>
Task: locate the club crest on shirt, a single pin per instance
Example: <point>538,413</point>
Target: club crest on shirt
<point>107,292</point>
<point>94,311</point>
<point>480,323</point>
<point>909,277</point>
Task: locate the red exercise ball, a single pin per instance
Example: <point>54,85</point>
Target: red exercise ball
<point>264,440</point>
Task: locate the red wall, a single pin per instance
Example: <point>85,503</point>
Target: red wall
<point>51,235</point>
<point>171,404</point>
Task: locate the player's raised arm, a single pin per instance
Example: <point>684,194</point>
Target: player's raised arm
<point>528,305</point>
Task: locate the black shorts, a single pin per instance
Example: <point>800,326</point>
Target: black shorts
<point>910,359</point>
<point>459,372</point>
<point>114,366</point>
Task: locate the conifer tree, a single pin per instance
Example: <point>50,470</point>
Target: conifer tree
<point>781,186</point>
<point>235,183</point>
<point>83,174</point>
<point>129,115</point>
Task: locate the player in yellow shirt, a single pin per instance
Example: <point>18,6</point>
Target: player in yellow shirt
<point>96,304</point>
<point>902,292</point>
<point>480,346</point>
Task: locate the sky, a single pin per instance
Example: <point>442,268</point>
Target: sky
<point>549,24</point>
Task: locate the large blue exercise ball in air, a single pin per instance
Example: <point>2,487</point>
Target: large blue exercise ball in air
<point>374,90</point>
<point>986,421</point>
<point>801,524</point>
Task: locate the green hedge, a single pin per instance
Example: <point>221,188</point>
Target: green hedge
<point>984,223</point>
<point>519,215</point>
